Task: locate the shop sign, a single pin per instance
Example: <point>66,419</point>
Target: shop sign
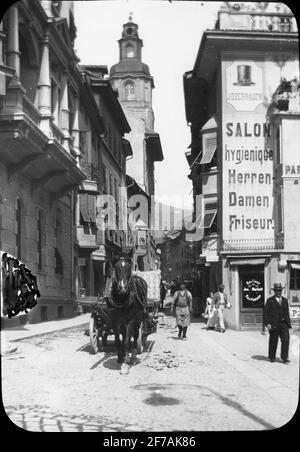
<point>252,284</point>
<point>247,154</point>
<point>295,312</point>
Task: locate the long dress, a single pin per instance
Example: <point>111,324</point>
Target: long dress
<point>212,314</point>
<point>182,310</point>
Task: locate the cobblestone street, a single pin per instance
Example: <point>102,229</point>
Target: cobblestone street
<point>211,382</point>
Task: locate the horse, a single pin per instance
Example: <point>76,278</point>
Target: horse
<point>127,301</point>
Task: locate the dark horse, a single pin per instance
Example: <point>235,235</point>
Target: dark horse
<point>128,300</point>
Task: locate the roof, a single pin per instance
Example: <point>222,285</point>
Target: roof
<point>130,65</point>
<point>110,97</point>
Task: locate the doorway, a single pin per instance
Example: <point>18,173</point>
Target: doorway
<point>252,295</point>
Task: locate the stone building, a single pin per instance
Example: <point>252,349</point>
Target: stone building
<point>39,147</point>
<point>242,105</point>
<point>134,83</point>
<point>104,151</point>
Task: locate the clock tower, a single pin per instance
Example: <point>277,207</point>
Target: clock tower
<point>131,77</point>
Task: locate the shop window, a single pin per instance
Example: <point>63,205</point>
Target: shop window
<point>295,277</point>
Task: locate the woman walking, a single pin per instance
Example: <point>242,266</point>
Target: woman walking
<point>210,312</point>
<point>182,300</point>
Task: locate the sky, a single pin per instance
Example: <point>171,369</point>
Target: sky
<point>171,34</point>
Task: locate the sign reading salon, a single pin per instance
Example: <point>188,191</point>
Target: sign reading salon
<point>247,154</point>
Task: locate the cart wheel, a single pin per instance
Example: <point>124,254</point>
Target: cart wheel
<point>94,336</point>
<point>140,344</point>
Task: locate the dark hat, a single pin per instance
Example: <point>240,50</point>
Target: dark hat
<point>221,286</point>
<point>277,286</point>
<point>244,75</point>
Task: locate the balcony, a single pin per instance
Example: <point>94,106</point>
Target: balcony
<point>86,240</point>
<point>92,177</point>
<point>243,17</point>
<point>253,244</point>
<point>287,102</point>
<point>26,149</point>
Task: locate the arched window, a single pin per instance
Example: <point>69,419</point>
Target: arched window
<point>129,91</point>
<point>129,51</point>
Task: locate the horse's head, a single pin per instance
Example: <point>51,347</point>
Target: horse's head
<point>122,277</point>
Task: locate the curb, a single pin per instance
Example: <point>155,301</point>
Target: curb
<point>49,332</point>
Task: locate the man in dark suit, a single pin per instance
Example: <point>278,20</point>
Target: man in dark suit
<point>277,320</point>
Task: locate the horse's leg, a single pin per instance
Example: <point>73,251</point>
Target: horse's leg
<point>134,346</point>
<point>118,344</point>
<point>127,341</point>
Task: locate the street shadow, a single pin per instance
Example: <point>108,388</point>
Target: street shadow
<point>262,358</point>
<point>225,400</point>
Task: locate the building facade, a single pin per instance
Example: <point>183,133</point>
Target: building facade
<point>131,78</point>
<point>104,151</point>
<point>39,148</point>
<point>244,157</point>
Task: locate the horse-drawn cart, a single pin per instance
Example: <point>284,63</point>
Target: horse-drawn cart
<point>100,326</point>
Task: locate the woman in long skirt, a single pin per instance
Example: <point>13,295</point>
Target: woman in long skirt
<point>182,300</point>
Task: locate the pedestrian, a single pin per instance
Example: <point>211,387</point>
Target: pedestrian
<point>210,312</point>
<point>277,320</point>
<point>163,292</point>
<point>182,300</point>
<point>220,301</point>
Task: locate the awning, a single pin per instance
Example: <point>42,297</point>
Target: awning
<point>88,207</point>
<point>295,266</point>
<point>208,219</point>
<point>209,147</point>
<point>92,208</point>
<point>248,261</point>
<point>84,207</point>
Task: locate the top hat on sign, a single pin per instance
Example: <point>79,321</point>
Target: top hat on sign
<point>244,75</point>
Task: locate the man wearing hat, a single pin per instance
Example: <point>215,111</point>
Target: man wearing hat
<point>277,320</point>
<point>220,301</point>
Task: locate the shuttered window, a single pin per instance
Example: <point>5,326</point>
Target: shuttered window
<point>209,147</point>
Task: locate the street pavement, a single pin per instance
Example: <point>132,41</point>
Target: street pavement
<point>211,382</point>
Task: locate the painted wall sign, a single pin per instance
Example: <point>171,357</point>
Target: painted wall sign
<point>247,154</point>
<point>244,85</point>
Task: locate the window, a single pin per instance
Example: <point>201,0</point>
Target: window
<point>21,232</point>
<point>295,277</point>
<point>278,147</point>
<point>279,210</point>
<point>58,244</point>
<point>129,91</point>
<point>40,239</point>
<point>129,51</point>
